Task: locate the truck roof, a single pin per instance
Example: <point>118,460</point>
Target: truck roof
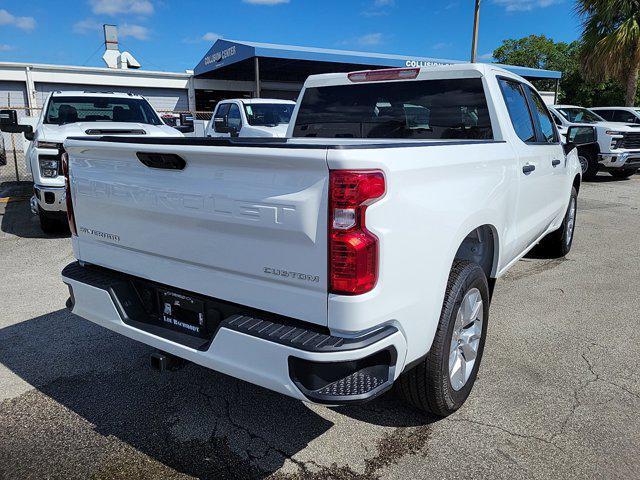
<point>253,101</point>
<point>82,93</point>
<point>457,70</point>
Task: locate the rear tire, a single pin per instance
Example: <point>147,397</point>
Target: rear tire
<point>623,173</point>
<point>557,244</point>
<point>432,385</point>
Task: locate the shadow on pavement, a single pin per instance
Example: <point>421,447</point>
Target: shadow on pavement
<point>604,177</point>
<point>195,421</point>
<point>17,219</point>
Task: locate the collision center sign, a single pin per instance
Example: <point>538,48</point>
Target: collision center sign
<point>216,57</point>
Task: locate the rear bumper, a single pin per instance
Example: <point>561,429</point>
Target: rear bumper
<point>620,160</point>
<point>283,356</point>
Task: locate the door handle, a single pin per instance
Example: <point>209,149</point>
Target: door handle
<point>555,162</point>
<point>527,169</point>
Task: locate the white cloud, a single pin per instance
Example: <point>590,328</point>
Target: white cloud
<point>378,8</point>
<point>5,48</point>
<point>133,31</point>
<point>24,23</point>
<point>486,56</point>
<point>87,25</point>
<point>115,7</point>
<point>441,46</point>
<point>211,37</point>
<point>525,5</point>
<point>265,2</point>
<point>370,39</point>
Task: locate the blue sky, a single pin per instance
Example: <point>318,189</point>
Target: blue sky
<point>174,35</point>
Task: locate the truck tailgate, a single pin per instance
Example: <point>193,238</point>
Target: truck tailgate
<point>239,223</point>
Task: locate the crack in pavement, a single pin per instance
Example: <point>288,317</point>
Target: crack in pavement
<point>577,403</point>
<point>391,448</point>
<point>509,432</point>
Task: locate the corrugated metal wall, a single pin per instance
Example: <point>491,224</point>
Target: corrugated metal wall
<point>12,94</point>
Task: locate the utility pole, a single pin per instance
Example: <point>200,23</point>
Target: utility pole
<point>474,40</point>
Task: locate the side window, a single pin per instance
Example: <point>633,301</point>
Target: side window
<point>556,119</point>
<point>516,102</point>
<point>623,116</point>
<point>544,118</point>
<point>606,114</point>
<point>233,119</point>
<point>219,118</point>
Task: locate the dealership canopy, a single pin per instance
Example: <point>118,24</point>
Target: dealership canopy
<point>240,60</point>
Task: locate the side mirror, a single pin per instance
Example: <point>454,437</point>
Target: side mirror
<point>581,135</point>
<point>220,125</point>
<point>8,118</point>
<point>9,123</point>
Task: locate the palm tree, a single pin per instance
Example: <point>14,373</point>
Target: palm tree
<point>611,42</point>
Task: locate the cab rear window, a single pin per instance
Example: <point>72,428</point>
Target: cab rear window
<point>425,109</point>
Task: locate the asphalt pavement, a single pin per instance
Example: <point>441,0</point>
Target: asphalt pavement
<point>558,395</point>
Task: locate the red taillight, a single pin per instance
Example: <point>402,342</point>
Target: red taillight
<point>383,74</point>
<point>353,250</point>
<point>67,184</point>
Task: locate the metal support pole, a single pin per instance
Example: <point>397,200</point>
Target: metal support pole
<point>555,97</point>
<point>31,91</point>
<point>474,40</point>
<point>256,64</point>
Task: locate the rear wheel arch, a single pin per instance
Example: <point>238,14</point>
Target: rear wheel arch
<point>481,246</point>
<point>576,183</point>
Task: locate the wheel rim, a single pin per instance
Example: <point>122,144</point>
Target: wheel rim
<point>571,220</point>
<point>465,339</point>
<point>584,164</point>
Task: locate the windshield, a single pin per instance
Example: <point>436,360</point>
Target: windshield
<point>63,110</point>
<point>580,115</point>
<point>268,114</point>
<point>427,109</point>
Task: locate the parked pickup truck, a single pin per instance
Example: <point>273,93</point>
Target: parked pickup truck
<point>77,113</point>
<point>250,117</point>
<point>616,146</point>
<point>357,252</point>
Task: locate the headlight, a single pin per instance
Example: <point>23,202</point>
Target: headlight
<point>48,166</point>
<point>54,145</point>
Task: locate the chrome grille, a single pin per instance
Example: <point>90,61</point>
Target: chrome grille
<point>631,140</point>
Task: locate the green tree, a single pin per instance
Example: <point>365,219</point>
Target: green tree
<point>611,42</point>
<point>539,51</point>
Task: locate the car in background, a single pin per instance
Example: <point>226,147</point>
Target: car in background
<point>614,147</point>
<point>250,117</point>
<point>69,114</point>
<point>618,114</point>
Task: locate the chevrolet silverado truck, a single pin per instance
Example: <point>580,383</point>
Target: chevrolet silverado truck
<point>77,113</point>
<point>615,147</point>
<point>358,252</point>
<point>250,117</point>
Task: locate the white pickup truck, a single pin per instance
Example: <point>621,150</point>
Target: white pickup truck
<point>360,251</point>
<point>250,117</point>
<point>74,113</point>
<point>613,147</point>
